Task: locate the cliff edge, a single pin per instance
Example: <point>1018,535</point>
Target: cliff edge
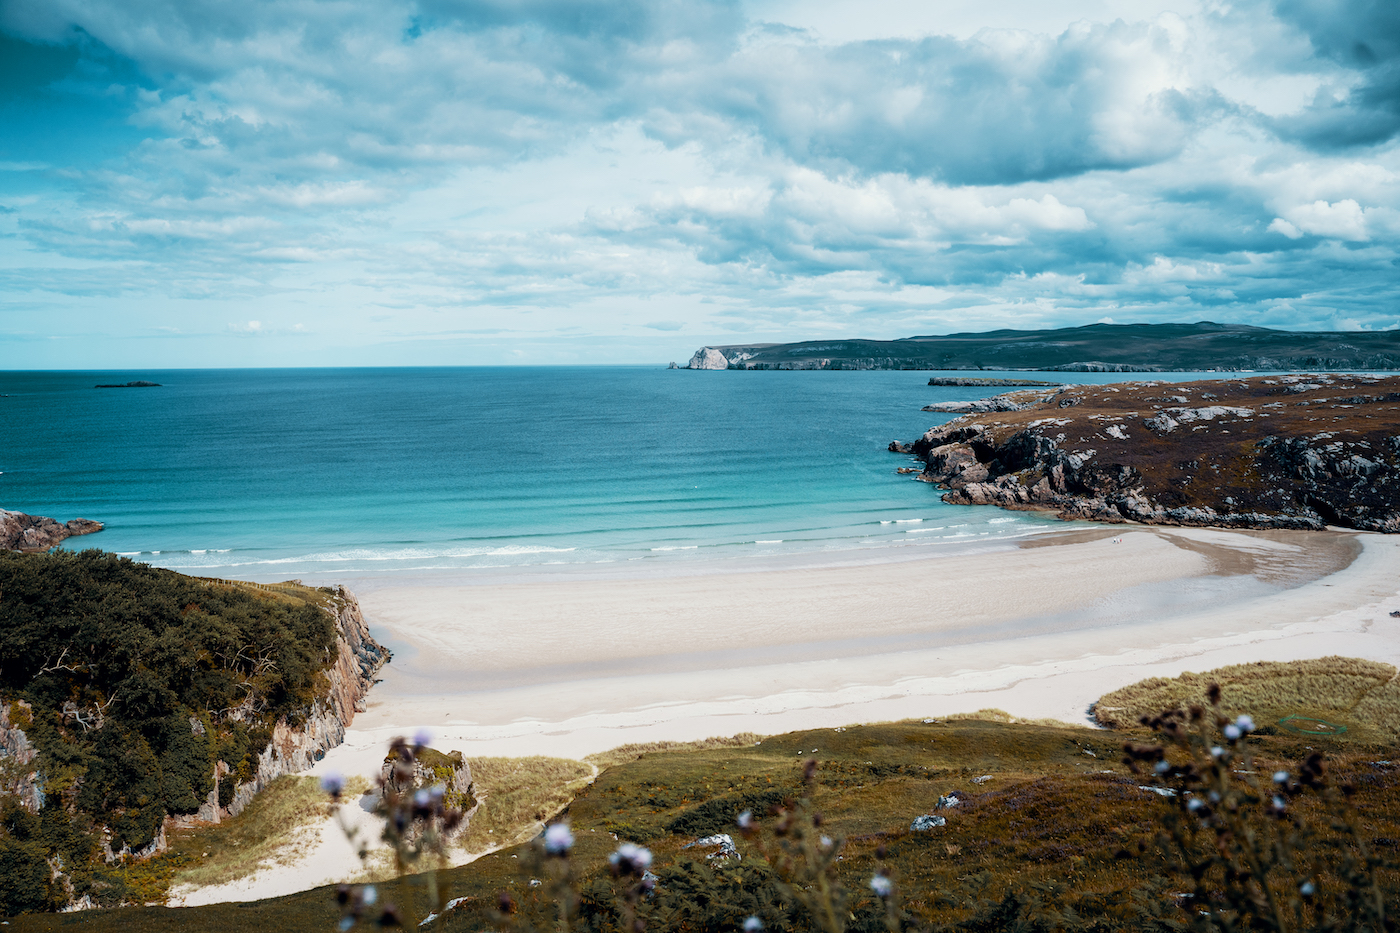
<point>1300,451</point>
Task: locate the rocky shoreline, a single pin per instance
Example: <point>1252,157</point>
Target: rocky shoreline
<point>1298,452</point>
<point>21,532</point>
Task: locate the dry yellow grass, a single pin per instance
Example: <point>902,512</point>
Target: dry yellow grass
<point>272,830</point>
<point>625,753</point>
<point>518,794</point>
<point>1001,715</point>
<point>1363,696</point>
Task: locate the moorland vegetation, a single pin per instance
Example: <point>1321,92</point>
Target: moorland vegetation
<point>1202,819</point>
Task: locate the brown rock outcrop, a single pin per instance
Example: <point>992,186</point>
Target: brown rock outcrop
<point>1264,452</point>
<point>21,532</point>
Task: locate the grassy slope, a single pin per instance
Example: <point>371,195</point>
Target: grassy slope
<point>1053,818</point>
<point>1363,697</point>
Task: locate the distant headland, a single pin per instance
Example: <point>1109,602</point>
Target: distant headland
<point>1096,348</point>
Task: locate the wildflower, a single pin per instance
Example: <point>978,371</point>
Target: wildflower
<point>1279,802</point>
<point>826,842</point>
<point>1161,767</point>
<point>1216,751</point>
<point>1193,804</point>
<point>1307,889</point>
<point>1244,723</point>
<point>753,925</point>
<point>421,798</point>
<point>882,885</point>
<point>1232,732</point>
<point>630,859</point>
<point>369,894</point>
<point>1280,777</point>
<point>422,738</point>
<point>333,784</point>
<point>745,821</point>
<point>558,839</point>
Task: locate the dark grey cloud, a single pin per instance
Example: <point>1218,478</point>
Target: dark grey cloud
<point>1360,106</point>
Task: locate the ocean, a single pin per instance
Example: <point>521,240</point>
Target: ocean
<point>332,474</point>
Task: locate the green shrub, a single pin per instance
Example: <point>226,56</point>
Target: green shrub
<point>140,679</point>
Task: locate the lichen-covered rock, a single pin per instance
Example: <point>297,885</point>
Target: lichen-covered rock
<point>927,822</point>
<point>1265,452</point>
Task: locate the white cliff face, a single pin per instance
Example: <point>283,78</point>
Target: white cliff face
<point>708,358</point>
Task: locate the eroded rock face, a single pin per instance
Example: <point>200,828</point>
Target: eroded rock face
<point>1265,452</point>
<point>296,748</point>
<point>21,532</point>
<point>18,778</point>
<point>708,358</point>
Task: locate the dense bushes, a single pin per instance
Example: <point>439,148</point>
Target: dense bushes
<point>138,681</point>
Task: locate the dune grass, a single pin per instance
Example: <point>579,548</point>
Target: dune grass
<point>517,795</point>
<point>1363,696</point>
<point>626,753</point>
<point>273,829</point>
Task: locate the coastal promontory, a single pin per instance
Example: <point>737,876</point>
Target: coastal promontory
<point>1299,451</point>
<point>1096,348</point>
<point>21,532</point>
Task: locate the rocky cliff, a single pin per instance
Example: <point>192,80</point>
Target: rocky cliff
<point>358,658</point>
<point>21,532</point>
<point>1264,452</point>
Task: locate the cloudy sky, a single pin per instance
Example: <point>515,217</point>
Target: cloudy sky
<point>187,182</point>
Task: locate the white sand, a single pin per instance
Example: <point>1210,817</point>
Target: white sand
<point>569,667</point>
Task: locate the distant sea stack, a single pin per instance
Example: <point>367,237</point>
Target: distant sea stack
<point>21,532</point>
<point>1300,451</point>
<point>1097,348</point>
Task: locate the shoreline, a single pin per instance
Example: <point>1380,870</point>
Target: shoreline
<point>1062,619</point>
<point>482,665</point>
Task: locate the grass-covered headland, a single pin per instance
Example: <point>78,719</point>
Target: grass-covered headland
<point>139,693</point>
<point>1203,819</point>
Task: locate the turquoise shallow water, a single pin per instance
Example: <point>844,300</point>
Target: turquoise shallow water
<point>319,474</point>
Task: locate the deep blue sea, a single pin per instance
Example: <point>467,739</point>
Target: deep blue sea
<point>320,474</point>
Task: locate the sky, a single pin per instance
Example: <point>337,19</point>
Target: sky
<point>480,182</point>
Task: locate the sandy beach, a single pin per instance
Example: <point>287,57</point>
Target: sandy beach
<point>567,667</point>
<point>570,667</point>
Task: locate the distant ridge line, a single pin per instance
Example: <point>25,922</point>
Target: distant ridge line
<point>1146,348</point>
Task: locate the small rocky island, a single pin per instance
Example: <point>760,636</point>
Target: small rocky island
<point>1300,451</point>
<point>129,385</point>
<point>21,532</point>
